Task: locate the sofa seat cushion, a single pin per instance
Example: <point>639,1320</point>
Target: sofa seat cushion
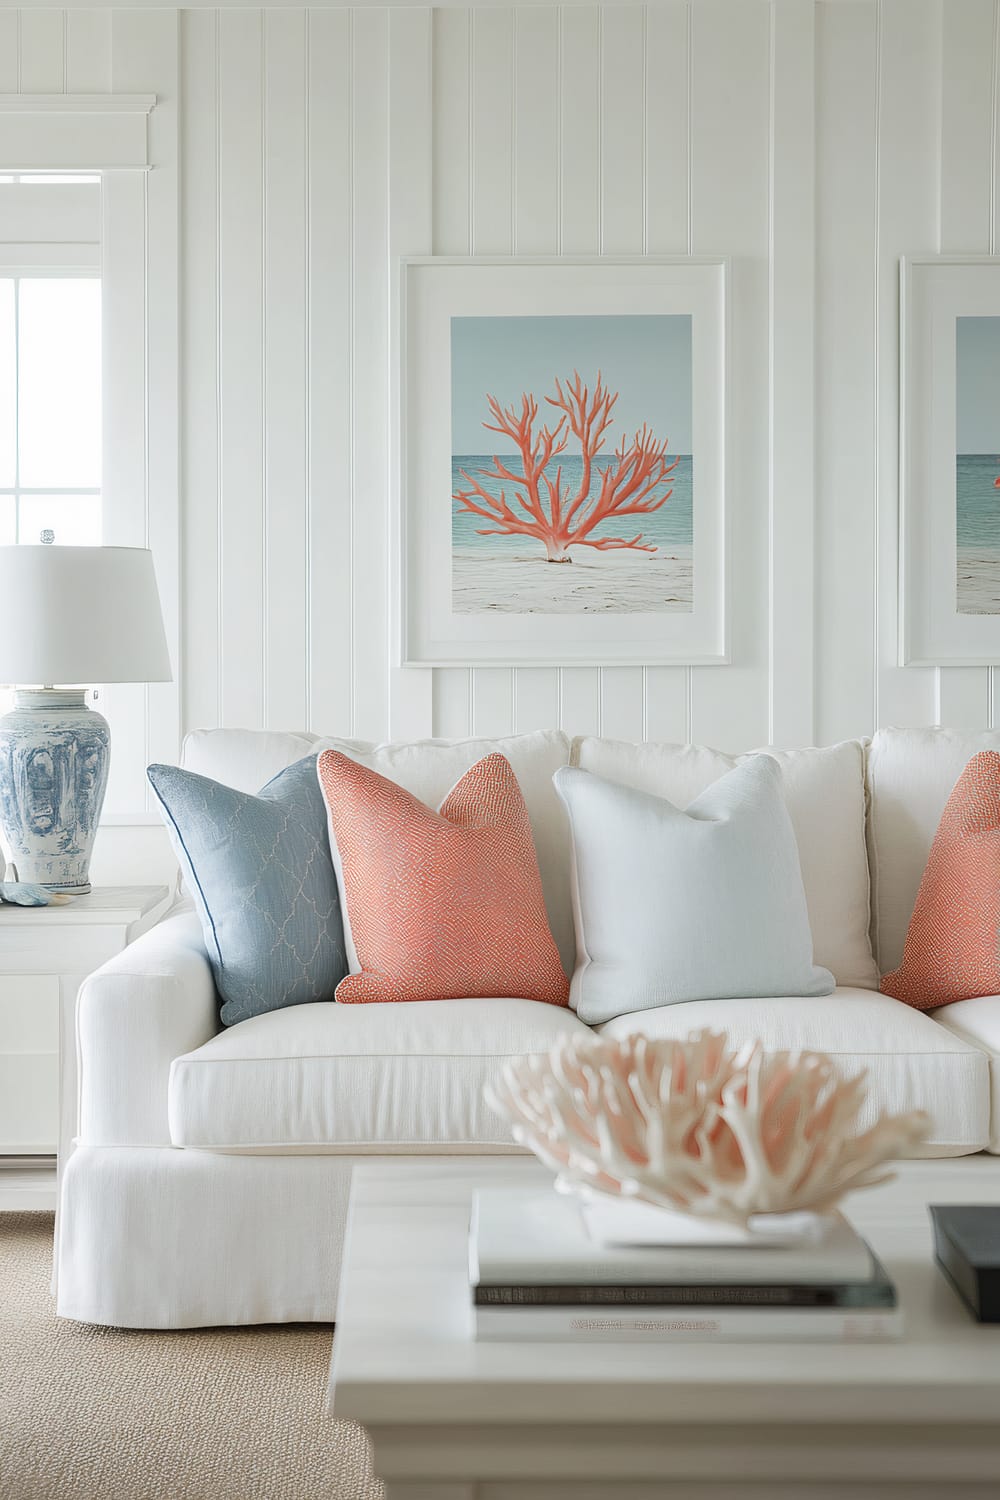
<point>385,1077</point>
<point>977,1021</point>
<point>912,1062</point>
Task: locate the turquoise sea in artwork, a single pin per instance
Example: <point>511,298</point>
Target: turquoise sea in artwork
<point>670,526</point>
<point>977,500</point>
<point>977,523</point>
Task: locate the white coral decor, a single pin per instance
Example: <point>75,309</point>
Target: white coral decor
<point>699,1126</point>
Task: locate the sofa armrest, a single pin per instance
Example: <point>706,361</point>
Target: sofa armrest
<point>134,1015</point>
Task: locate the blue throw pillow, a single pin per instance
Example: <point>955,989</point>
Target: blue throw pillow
<point>263,881</point>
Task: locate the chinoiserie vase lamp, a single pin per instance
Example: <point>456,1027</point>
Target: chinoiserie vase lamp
<point>72,615</point>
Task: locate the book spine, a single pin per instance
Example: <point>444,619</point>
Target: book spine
<point>738,1267</point>
<point>733,1325</point>
<point>874,1294</point>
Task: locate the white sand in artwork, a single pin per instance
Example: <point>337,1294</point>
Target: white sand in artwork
<point>619,582</point>
<point>978,581</point>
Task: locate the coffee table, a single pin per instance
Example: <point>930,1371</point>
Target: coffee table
<point>451,1419</point>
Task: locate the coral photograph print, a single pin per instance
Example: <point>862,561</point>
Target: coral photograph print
<point>977,464</point>
<point>572,466</point>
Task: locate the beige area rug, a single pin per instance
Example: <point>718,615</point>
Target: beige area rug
<point>109,1414</point>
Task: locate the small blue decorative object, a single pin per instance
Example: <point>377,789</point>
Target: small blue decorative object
<point>53,775</point>
<point>18,893</point>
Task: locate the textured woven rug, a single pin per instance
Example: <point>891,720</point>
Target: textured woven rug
<point>108,1414</point>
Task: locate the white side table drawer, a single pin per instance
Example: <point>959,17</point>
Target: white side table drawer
<point>29,1104</point>
<point>29,1013</point>
<point>29,1064</point>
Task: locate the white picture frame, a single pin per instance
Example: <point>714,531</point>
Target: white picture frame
<point>949,608</point>
<point>445,614</point>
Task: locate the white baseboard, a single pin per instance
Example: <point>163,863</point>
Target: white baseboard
<point>27,1188</point>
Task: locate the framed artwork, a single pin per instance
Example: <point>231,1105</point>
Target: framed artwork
<point>560,461</point>
<point>950,461</point>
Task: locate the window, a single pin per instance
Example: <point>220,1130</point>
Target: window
<point>50,408</point>
<point>50,359</point>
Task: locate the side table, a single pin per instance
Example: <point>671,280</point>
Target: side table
<point>46,953</point>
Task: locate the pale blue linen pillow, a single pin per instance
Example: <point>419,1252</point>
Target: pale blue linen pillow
<point>263,882</point>
<point>673,905</point>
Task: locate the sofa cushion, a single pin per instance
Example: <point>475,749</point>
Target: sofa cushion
<point>912,1062</point>
<point>263,883</point>
<point>247,758</point>
<point>977,1021</point>
<point>911,773</point>
<point>950,951</point>
<point>342,1077</point>
<point>825,796</point>
<point>674,905</point>
<point>441,903</point>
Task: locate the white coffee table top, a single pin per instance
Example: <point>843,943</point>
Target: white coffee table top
<point>403,1350</point>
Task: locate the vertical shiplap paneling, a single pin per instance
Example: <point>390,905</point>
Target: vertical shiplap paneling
<point>580,234</point>
<point>623,232</point>
<point>845,370</point>
<point>42,62</point>
<point>241,345</point>
<point>665,86</point>
<point>411,704</point>
<point>730,151</point>
<point>908,145</point>
<point>967,100</point>
<point>538,84</point>
<point>146,59</point>
<point>88,51</point>
<point>492,234</point>
<point>10,60</point>
<point>370,365</point>
<point>792,359</point>
<point>330,335</point>
<point>286,640</point>
<point>452,235</point>
<point>201,622</point>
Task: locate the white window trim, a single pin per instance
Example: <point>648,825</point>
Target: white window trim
<point>75,132</point>
<point>118,137</point>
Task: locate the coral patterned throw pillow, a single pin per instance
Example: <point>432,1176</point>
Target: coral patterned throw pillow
<point>439,905</point>
<point>951,950</point>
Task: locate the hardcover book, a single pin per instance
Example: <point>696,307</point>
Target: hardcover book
<point>531,1239</point>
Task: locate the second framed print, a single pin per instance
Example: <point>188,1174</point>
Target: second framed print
<point>950,461</point>
<point>560,461</point>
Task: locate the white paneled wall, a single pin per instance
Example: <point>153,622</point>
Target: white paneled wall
<point>813,143</point>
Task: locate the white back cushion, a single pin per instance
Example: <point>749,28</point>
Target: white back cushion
<point>911,773</point>
<point>248,758</point>
<point>825,795</point>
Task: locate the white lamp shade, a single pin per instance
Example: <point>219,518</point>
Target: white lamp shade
<point>79,615</point>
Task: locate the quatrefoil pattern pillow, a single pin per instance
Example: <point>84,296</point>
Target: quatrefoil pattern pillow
<point>263,881</point>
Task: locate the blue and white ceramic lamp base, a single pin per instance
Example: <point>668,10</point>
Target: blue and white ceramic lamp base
<point>54,756</point>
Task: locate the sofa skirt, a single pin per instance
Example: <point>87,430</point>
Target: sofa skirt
<point>162,1238</point>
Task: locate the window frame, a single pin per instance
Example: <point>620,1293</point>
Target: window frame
<point>121,138</point>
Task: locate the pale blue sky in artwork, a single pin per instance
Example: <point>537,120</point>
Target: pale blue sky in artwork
<point>977,385</point>
<point>646,358</point>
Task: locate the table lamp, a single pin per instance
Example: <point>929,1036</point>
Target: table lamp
<point>73,615</point>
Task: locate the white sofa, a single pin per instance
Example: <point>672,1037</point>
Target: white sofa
<point>210,1177</point>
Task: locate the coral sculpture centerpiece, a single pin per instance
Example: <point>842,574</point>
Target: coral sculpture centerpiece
<point>699,1126</point>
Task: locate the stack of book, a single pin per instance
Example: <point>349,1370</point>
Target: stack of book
<point>537,1271</point>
